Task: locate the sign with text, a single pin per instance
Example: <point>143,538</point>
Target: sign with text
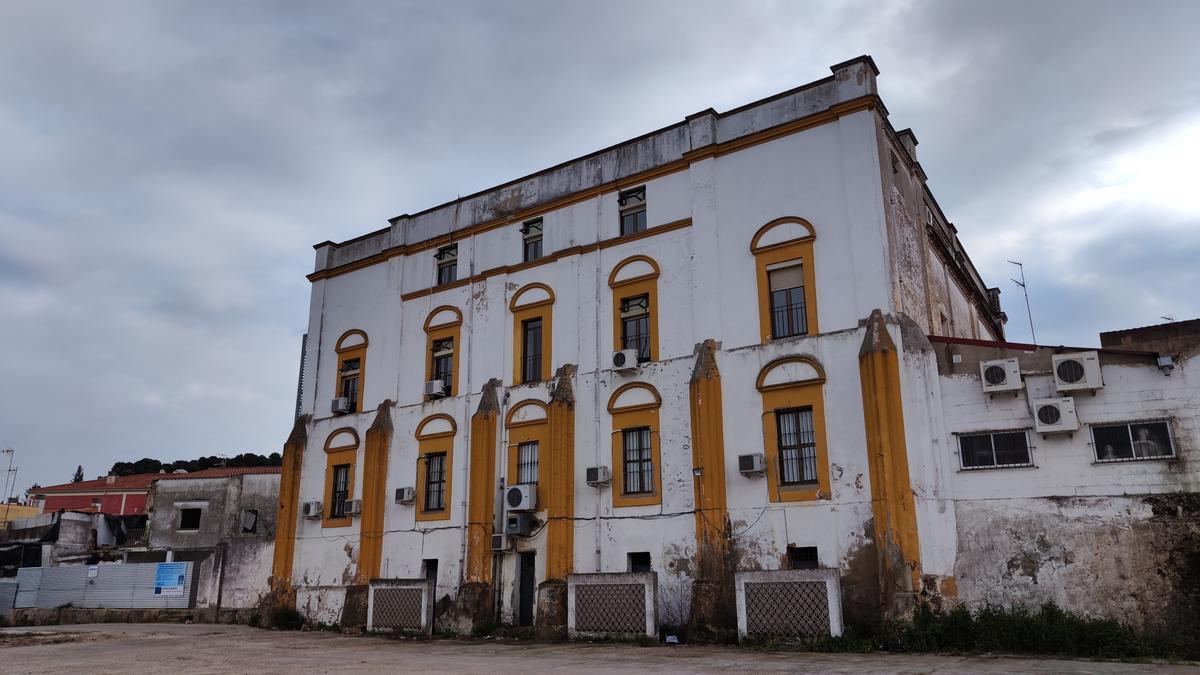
<point>169,579</point>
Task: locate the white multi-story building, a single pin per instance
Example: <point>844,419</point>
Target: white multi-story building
<point>700,352</point>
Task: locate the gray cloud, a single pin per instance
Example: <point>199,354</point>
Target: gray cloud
<point>168,166</point>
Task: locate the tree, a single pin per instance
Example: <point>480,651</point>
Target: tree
<point>78,477</point>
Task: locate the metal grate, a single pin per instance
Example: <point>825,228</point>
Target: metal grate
<point>396,608</point>
<point>610,608</point>
<point>787,608</point>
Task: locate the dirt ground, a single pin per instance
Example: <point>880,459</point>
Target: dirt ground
<point>208,648</point>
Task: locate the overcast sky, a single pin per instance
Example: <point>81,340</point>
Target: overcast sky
<point>166,167</point>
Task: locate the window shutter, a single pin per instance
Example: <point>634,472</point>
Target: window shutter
<point>786,277</point>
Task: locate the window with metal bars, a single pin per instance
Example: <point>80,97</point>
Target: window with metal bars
<point>797,446</point>
<point>1001,449</point>
<point>527,463</point>
<point>531,233</point>
<point>349,381</point>
<point>1133,440</point>
<point>639,461</point>
<point>443,362</point>
<point>340,492</point>
<point>531,350</point>
<point>435,481</point>
<point>788,316</point>
<point>633,210</point>
<point>635,325</point>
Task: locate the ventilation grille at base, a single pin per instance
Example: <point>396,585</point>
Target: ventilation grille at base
<point>787,608</point>
<point>610,608</point>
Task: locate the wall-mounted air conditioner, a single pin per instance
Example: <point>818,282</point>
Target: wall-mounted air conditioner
<point>518,524</point>
<point>311,509</point>
<point>435,389</point>
<point>753,464</point>
<point>340,406</point>
<point>406,495</point>
<point>353,507</point>
<point>625,361</point>
<point>1055,415</point>
<point>599,476</point>
<point>1078,371</point>
<point>1001,375</point>
<point>501,542</point>
<point>520,498</point>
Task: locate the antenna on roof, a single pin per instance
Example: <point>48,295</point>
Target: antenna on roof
<point>1025,289</point>
<point>11,473</point>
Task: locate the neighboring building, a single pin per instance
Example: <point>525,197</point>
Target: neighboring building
<point>114,495</point>
<point>704,352</point>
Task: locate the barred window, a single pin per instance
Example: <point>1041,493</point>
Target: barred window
<point>340,492</point>
<point>635,325</point>
<point>1000,449</point>
<point>788,315</point>
<point>1133,440</point>
<point>639,461</point>
<point>527,463</point>
<point>531,350</point>
<point>435,481</point>
<point>797,446</point>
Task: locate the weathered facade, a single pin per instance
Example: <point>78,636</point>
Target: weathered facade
<point>776,271</point>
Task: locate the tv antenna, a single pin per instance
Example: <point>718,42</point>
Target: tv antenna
<point>1025,289</point>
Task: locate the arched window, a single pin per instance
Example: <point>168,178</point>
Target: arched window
<point>783,258</point>
<point>794,429</point>
<point>532,309</point>
<point>435,455</point>
<point>528,437</point>
<point>634,283</point>
<point>351,349</point>
<point>637,457</point>
<point>443,347</point>
<point>341,456</point>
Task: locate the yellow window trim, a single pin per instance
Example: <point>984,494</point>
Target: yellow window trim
<point>544,310</point>
<point>631,417</point>
<point>808,393</point>
<point>432,443</point>
<point>451,329</point>
<point>354,352</point>
<point>796,250</point>
<point>523,432</point>
<point>644,284</point>
<point>334,456</point>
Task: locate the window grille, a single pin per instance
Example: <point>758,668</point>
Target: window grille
<point>635,325</point>
<point>797,446</point>
<point>341,491</point>
<point>990,450</point>
<point>788,317</point>
<point>531,350</point>
<point>639,461</point>
<point>527,463</point>
<point>435,481</point>
<point>1133,440</point>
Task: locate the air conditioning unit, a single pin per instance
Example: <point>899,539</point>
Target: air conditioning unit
<point>1054,415</point>
<point>1001,375</point>
<point>520,498</point>
<point>340,406</point>
<point>435,389</point>
<point>501,542</point>
<point>518,524</point>
<point>312,509</point>
<point>406,495</point>
<point>598,476</point>
<point>1078,371</point>
<point>625,360</point>
<point>353,507</point>
<point>754,464</point>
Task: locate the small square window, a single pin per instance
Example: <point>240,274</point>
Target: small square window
<point>803,557</point>
<point>640,562</point>
<point>189,519</point>
<point>249,521</point>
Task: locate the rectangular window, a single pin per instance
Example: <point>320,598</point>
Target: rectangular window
<point>639,461</point>
<point>803,557</point>
<point>788,315</point>
<point>249,521</point>
<point>340,492</point>
<point>633,210</point>
<point>435,481</point>
<point>1001,449</point>
<point>443,362</point>
<point>1133,440</point>
<point>635,325</point>
<point>531,233</point>
<point>189,519</point>
<point>447,264</point>
<point>349,387</point>
<point>797,446</point>
<point>640,562</point>
<point>527,463</point>
<point>531,350</point>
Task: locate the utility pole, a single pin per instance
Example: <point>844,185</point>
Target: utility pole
<point>1025,289</point>
<point>8,490</point>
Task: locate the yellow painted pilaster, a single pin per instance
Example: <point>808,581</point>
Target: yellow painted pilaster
<point>374,493</point>
<point>560,474</point>
<point>481,491</point>
<point>708,454</point>
<point>286,512</point>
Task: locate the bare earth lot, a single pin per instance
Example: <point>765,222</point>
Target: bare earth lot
<point>208,648</point>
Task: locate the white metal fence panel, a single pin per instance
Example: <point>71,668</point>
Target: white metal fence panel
<point>789,603</point>
<point>404,605</point>
<point>8,597</point>
<point>612,605</point>
<point>28,581</point>
<point>125,586</point>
